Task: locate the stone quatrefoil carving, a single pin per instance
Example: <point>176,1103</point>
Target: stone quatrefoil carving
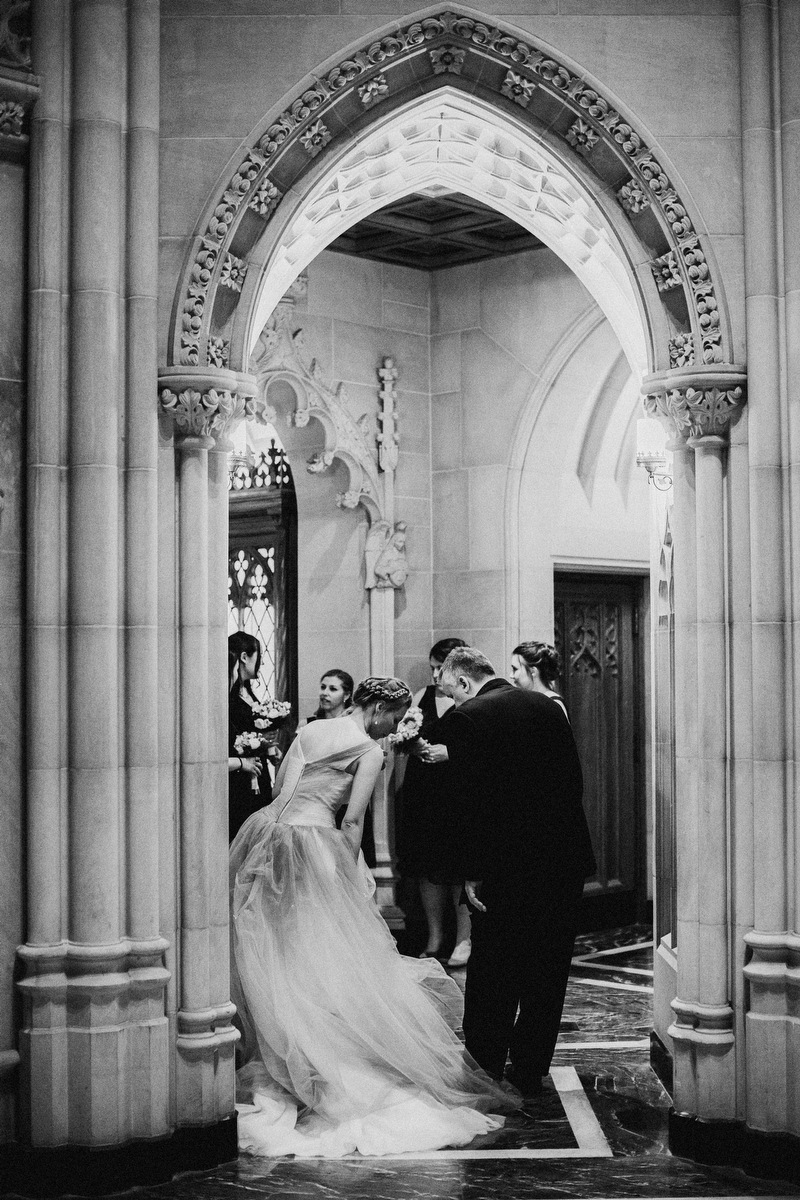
<point>516,73</point>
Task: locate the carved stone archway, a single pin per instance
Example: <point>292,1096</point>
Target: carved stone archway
<point>449,96</point>
<point>559,108</point>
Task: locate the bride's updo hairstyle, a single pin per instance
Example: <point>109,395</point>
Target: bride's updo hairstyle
<point>393,692</point>
<point>545,658</point>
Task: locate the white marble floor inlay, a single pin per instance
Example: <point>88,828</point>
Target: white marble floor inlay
<point>607,983</point>
<point>585,1127</point>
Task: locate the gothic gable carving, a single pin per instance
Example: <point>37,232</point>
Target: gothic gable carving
<point>279,354</point>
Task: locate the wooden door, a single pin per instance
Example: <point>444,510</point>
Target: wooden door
<point>597,621</point>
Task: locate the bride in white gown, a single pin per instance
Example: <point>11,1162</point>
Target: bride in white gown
<point>348,1045</point>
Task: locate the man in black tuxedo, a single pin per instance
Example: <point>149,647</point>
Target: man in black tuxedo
<point>525,849</point>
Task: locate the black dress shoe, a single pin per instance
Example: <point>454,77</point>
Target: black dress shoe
<point>529,1085</point>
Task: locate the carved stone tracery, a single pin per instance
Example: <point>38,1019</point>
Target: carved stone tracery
<point>279,353</point>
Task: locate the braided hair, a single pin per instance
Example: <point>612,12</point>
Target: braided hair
<point>392,691</point>
<point>544,657</point>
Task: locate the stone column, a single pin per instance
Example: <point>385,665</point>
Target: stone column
<point>43,1037</point>
<point>764,79</point>
<point>150,1037</point>
<point>697,405</point>
<point>94,1040</point>
<point>232,408</point>
<point>203,407</point>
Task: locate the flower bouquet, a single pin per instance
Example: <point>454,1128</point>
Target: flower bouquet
<point>407,733</point>
<point>269,713</point>
<point>250,745</point>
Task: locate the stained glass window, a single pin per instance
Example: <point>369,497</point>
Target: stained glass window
<point>262,564</point>
<point>251,605</point>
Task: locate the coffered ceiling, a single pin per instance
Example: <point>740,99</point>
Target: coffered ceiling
<point>431,232</point>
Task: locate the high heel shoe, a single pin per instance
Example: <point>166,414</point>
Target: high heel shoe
<point>461,953</point>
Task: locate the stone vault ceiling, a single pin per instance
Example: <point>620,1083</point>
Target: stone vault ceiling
<point>430,233</point>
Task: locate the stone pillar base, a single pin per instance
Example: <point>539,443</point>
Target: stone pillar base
<point>733,1144</point>
<point>81,1171</point>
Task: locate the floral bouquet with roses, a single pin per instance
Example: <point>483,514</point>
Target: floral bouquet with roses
<point>406,735</point>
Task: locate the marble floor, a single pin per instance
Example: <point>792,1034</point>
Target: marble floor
<point>598,1130</point>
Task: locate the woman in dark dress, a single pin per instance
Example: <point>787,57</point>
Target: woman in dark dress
<point>426,837</point>
<point>244,661</point>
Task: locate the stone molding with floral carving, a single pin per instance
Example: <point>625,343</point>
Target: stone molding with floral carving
<point>315,138</point>
<point>217,352</point>
<point>666,272</point>
<point>233,272</point>
<point>449,37</point>
<point>265,199</point>
<point>373,90</point>
<point>518,89</point>
<point>695,404</point>
<point>204,406</point>
<point>447,60</point>
<point>12,116</point>
<point>681,350</point>
<point>582,136</point>
<point>633,198</point>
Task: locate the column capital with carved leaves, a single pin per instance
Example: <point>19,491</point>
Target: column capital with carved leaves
<point>205,406</point>
<point>696,403</point>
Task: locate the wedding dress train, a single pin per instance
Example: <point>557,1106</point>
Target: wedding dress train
<point>349,1046</point>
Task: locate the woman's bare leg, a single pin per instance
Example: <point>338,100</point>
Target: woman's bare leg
<point>463,923</point>
<point>433,897</point>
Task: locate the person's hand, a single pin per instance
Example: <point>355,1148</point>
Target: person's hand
<point>427,753</point>
<point>251,766</point>
<point>472,887</point>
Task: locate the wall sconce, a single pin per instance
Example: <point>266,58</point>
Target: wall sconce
<point>650,453</point>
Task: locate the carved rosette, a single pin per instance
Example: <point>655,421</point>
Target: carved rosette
<point>695,404</point>
<point>633,198</point>
<point>445,44</point>
<point>373,90</point>
<point>665,272</point>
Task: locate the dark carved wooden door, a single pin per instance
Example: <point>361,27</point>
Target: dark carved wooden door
<point>597,622</point>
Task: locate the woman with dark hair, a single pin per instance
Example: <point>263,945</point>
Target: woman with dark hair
<point>244,663</point>
<point>535,667</point>
<point>348,1046</point>
<point>335,698</point>
<point>426,835</point>
<point>335,695</point>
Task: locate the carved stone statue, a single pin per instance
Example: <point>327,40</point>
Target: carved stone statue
<point>385,555</point>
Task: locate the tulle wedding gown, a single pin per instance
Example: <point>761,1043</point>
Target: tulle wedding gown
<point>349,1046</point>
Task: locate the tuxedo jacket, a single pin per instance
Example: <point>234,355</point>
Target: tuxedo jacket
<point>516,772</point>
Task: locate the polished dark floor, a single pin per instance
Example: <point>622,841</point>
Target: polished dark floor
<point>599,1129</point>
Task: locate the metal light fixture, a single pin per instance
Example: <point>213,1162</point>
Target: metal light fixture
<point>651,454</point>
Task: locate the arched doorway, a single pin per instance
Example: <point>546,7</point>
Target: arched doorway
<point>492,116</point>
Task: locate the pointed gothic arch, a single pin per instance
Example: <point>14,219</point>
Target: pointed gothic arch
<point>493,69</point>
<point>449,96</point>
